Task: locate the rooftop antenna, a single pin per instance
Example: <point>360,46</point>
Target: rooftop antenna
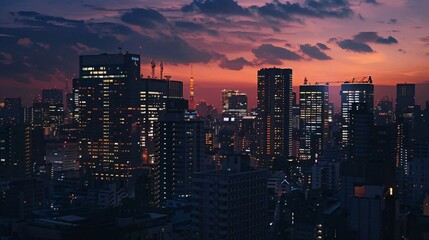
<point>161,70</point>
<point>153,66</point>
<point>191,92</point>
<point>305,81</point>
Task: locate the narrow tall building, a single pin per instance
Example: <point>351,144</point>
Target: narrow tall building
<point>351,93</point>
<point>275,115</point>
<point>314,120</point>
<point>405,101</point>
<point>106,98</point>
<point>180,141</point>
<point>153,97</point>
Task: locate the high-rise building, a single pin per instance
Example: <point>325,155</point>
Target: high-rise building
<point>15,140</point>
<point>53,110</point>
<point>383,112</point>
<point>230,203</point>
<point>275,115</point>
<point>351,93</point>
<point>106,99</point>
<point>314,116</point>
<point>153,96</point>
<point>181,150</point>
<point>405,101</point>
<point>234,103</point>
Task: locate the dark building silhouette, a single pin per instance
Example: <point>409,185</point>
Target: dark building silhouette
<point>275,115</point>
<point>230,203</point>
<point>383,112</point>
<point>181,150</point>
<point>405,101</point>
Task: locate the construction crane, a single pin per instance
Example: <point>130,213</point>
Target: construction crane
<point>365,79</point>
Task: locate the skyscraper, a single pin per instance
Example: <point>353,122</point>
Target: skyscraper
<point>53,110</point>
<point>314,116</point>
<point>405,101</point>
<point>180,141</point>
<point>153,96</point>
<point>351,93</point>
<point>275,115</point>
<point>106,98</point>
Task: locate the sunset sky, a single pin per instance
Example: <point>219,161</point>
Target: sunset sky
<point>226,41</point>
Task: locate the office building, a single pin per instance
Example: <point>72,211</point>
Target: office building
<point>52,106</point>
<point>383,112</point>
<point>405,101</point>
<point>274,115</point>
<point>351,93</point>
<point>234,103</point>
<point>106,97</point>
<point>230,203</point>
<point>314,120</point>
<point>153,96</point>
<point>181,150</point>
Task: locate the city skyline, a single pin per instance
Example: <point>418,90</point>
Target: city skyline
<point>226,41</point>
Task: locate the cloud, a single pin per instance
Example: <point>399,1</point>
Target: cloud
<point>194,27</point>
<point>310,8</point>
<point>234,64</point>
<point>67,39</point>
<point>392,21</point>
<point>314,52</point>
<point>322,46</point>
<point>270,54</point>
<point>355,46</point>
<point>6,58</point>
<point>26,42</point>
<point>372,2</point>
<point>402,51</point>
<point>173,49</point>
<point>145,18</point>
<point>425,40</point>
<point>366,37</point>
<point>216,7</point>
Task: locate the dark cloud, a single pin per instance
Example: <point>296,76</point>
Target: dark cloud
<point>24,58</point>
<point>366,37</point>
<point>392,21</point>
<point>375,2</point>
<point>310,8</point>
<point>389,40</point>
<point>216,7</point>
<point>314,52</point>
<point>35,17</point>
<point>355,46</point>
<point>234,64</point>
<point>402,51</point>
<point>270,54</point>
<point>145,18</point>
<point>322,46</point>
<point>194,27</point>
<point>425,40</point>
<point>173,49</point>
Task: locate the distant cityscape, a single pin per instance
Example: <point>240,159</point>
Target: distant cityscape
<point>123,156</point>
